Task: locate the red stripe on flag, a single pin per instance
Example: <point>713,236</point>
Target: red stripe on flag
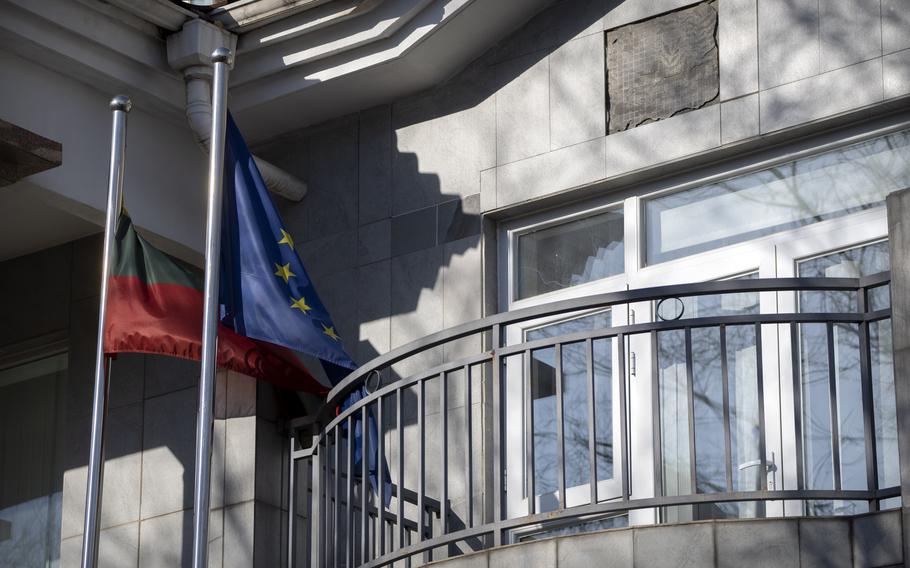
<point>166,319</point>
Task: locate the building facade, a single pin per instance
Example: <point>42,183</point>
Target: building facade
<point>627,268</point>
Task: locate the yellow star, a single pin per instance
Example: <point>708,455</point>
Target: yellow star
<point>330,331</point>
<point>284,271</point>
<point>286,239</point>
<point>300,305</point>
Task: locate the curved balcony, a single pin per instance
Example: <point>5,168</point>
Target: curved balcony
<point>738,408</point>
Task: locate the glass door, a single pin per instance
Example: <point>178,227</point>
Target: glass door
<point>828,391</point>
<point>703,377</point>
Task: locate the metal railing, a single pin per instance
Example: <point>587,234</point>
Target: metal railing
<point>440,506</point>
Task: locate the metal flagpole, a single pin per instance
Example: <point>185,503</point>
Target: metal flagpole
<point>222,59</point>
<point>120,106</point>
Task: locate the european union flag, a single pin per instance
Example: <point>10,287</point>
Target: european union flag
<point>265,291</point>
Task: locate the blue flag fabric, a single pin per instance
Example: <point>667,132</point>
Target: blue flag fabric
<point>265,291</point>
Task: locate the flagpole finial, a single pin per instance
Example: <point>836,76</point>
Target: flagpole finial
<point>121,102</point>
<point>223,55</point>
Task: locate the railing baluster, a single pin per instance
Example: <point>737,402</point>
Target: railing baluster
<point>399,499</point>
<point>469,448</point>
<point>865,358</point>
<point>364,483</point>
<point>623,421</point>
<point>421,465</point>
<point>497,449</point>
<point>529,431</point>
<point>655,417</point>
<point>760,385</point>
<point>560,432</point>
<point>832,401</point>
<point>444,451</point>
<point>381,480</point>
<point>337,504</point>
<point>319,486</point>
<point>797,404</point>
<point>690,393</point>
<point>725,378</point>
<point>592,430</point>
<point>349,547</point>
<point>292,500</point>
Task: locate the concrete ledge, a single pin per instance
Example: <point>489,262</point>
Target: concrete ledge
<point>23,153</point>
<point>872,539</point>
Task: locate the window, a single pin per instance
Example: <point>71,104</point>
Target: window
<point>790,195</point>
<point>570,253</point>
<point>31,477</point>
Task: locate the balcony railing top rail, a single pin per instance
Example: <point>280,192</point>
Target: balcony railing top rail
<point>442,430</point>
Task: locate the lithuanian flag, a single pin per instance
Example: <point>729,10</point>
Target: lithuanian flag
<point>155,307</point>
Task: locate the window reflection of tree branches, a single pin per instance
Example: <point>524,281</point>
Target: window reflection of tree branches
<point>815,379</point>
<point>575,408</point>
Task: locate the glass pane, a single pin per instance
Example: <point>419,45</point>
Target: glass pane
<point>851,427</point>
<point>790,195</point>
<point>571,253</point>
<point>603,409</point>
<point>745,428</point>
<point>575,407</point>
<point>708,402</point>
<point>853,263</point>
<point>674,419</point>
<point>712,305</point>
<point>818,460</point>
<point>31,478</point>
<point>543,401</point>
<point>884,404</point>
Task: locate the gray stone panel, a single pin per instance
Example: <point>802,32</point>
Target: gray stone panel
<point>271,449</point>
<point>624,12</point>
<point>462,293</point>
<point>458,219</point>
<point>896,74</point>
<point>757,544</point>
<point>169,374</point>
<point>35,292</point>
<point>820,96</point>
<point>87,267</point>
<point>577,92</point>
<point>374,297</point>
<point>737,42</point>
<point>332,188</point>
<point>240,459</point>
<point>540,554</point>
<point>127,379</point>
<point>416,307</point>
<point>877,540</point>
<point>122,466</point>
<point>268,535</point>
<point>329,254</point>
<point>611,549</point>
<point>239,525</point>
<point>552,172</point>
<point>523,108</point>
<point>413,231</point>
<point>443,139</point>
<point>787,41</point>
<point>850,31</point>
<point>374,166</point>
<point>374,242</point>
<point>81,372</point>
<point>119,546</point>
<point>739,119</point>
<point>679,546</point>
<point>661,67</point>
<point>663,141</point>
<point>168,453</point>
<point>166,541</point>
<point>556,25</point>
<point>895,25</point>
<point>825,543</point>
<point>488,189</point>
<point>241,395</point>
